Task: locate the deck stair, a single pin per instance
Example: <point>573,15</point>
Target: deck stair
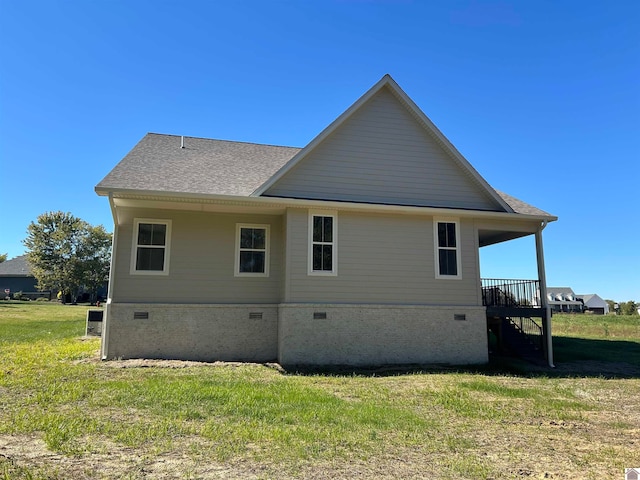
<point>512,306</point>
<point>519,343</point>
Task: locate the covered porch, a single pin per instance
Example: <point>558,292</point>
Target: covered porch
<point>517,310</point>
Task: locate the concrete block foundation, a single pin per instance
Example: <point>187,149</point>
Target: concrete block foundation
<point>192,332</point>
<point>363,335</point>
<point>298,334</point>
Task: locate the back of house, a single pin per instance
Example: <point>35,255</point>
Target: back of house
<point>361,248</point>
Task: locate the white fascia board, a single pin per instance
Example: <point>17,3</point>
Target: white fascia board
<point>120,195</point>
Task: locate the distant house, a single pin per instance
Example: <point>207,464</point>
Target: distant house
<point>360,248</point>
<point>594,304</point>
<point>16,276</point>
<point>564,300</point>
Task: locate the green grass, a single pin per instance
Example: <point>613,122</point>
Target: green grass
<point>438,424</point>
<point>46,321</point>
<point>605,327</point>
<point>603,338</point>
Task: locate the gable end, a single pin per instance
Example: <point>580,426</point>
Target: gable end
<point>384,151</point>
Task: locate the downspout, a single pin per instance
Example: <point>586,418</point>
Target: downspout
<point>104,349</point>
<point>542,278</point>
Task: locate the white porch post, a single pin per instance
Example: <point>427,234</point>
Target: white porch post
<point>542,277</point>
<point>104,344</point>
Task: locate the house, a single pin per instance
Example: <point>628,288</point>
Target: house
<point>361,248</point>
<point>594,304</point>
<point>16,276</point>
<point>564,300</point>
<point>631,473</point>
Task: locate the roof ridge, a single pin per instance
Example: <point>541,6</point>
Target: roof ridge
<point>223,140</point>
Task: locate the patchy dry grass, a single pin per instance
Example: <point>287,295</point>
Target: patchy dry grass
<point>64,414</point>
<point>598,338</point>
<point>622,327</point>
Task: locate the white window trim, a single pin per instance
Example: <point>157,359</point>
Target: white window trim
<point>134,248</point>
<point>267,229</point>
<point>436,248</point>
<point>323,273</point>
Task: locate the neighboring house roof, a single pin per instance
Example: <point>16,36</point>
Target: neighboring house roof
<point>159,164</point>
<point>589,297</point>
<point>16,267</point>
<point>593,300</point>
<point>562,290</point>
<point>562,295</point>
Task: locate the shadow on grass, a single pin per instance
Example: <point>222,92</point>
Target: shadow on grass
<point>571,349</point>
<point>573,357</point>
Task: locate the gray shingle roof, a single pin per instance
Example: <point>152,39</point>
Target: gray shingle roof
<point>206,166</point>
<point>586,298</point>
<point>521,207</point>
<point>16,267</point>
<point>216,167</point>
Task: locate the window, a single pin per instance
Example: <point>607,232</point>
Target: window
<point>323,233</point>
<point>447,241</point>
<point>151,247</point>
<point>252,250</point>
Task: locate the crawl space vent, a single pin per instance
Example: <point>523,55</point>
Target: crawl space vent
<point>140,315</point>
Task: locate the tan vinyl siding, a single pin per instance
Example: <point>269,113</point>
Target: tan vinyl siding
<point>383,155</point>
<point>382,259</point>
<point>201,266</point>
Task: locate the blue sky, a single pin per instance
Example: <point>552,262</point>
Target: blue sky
<point>542,97</point>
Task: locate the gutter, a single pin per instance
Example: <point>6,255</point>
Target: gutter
<point>178,197</point>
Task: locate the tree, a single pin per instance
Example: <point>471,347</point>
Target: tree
<point>3,257</point>
<point>629,308</point>
<point>96,255</point>
<point>67,254</point>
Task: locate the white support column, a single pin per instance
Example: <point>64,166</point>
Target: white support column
<point>542,277</point>
<point>104,344</point>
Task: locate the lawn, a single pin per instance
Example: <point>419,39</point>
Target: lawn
<point>66,415</point>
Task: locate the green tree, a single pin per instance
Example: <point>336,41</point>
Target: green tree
<point>629,308</point>
<point>95,253</point>
<point>3,257</point>
<point>67,254</point>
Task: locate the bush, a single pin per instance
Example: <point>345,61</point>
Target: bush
<point>42,299</point>
<point>17,296</point>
